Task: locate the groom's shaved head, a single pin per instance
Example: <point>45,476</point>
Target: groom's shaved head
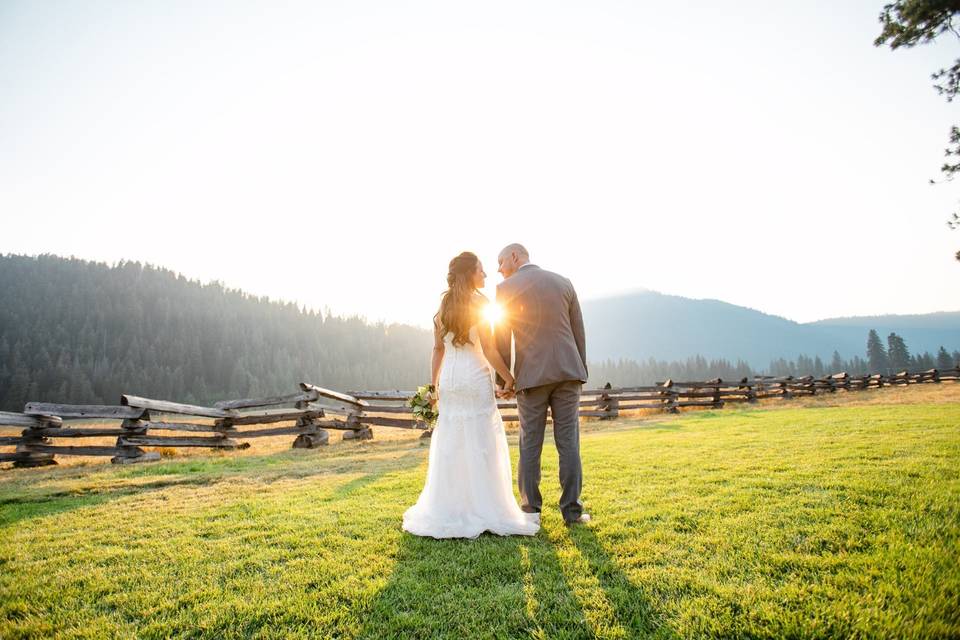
<point>512,257</point>
<point>516,248</point>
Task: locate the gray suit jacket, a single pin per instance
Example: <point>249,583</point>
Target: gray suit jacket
<point>542,312</point>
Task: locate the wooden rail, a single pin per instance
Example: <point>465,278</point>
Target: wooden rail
<point>313,410</point>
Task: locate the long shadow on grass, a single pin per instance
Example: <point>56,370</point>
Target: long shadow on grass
<point>631,605</point>
<point>492,586</point>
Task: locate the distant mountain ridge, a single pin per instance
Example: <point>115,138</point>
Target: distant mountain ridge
<point>946,320</point>
<point>75,331</point>
<point>648,324</point>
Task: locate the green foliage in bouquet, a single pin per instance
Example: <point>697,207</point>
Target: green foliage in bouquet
<point>420,403</point>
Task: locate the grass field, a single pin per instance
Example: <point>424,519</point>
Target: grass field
<point>825,519</point>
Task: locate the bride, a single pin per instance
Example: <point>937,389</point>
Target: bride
<point>468,489</point>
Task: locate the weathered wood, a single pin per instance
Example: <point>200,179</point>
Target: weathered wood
<point>698,404</point>
<point>34,460</point>
<point>146,456</point>
<point>10,440</point>
<point>338,409</point>
<point>620,390</point>
<point>172,441</point>
<point>596,414</point>
<point>376,408</point>
<point>70,432</point>
<point>334,395</point>
<point>360,434</point>
<point>82,410</point>
<point>306,396</point>
<point>697,394</point>
<point>164,406</point>
<point>390,422</point>
<point>188,426</point>
<point>627,397</point>
<point>276,431</point>
<point>81,450</point>
<point>337,424</point>
<point>382,395</point>
<point>10,419</point>
<point>267,416</point>
<point>311,440</point>
<point>633,406</point>
<point>618,399</point>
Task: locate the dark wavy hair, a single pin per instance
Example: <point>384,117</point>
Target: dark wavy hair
<point>456,307</point>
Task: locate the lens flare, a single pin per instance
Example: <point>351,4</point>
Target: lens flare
<point>493,313</point>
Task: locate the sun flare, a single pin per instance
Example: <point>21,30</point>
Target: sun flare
<point>493,313</point>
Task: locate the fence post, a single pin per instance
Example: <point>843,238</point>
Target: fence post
<point>669,397</point>
<point>785,389</point>
<point>133,453</point>
<point>358,430</point>
<point>608,404</point>
<point>28,458</point>
<point>315,437</point>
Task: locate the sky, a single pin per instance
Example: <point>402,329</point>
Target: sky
<point>339,154</point>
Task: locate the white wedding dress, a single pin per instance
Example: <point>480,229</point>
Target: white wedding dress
<point>469,487</point>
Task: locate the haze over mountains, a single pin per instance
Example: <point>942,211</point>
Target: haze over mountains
<point>76,331</point>
<point>646,324</point>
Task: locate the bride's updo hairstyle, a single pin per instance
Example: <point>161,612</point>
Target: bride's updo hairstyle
<point>456,307</point>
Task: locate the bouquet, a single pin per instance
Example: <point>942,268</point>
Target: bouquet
<point>420,403</point>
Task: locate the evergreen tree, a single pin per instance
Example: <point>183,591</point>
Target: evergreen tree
<point>897,354</point>
<point>943,359</point>
<point>837,365</point>
<point>876,354</point>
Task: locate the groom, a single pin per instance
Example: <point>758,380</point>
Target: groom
<point>541,310</point>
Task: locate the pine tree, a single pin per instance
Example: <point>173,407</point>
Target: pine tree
<point>943,359</point>
<point>818,367</point>
<point>876,354</point>
<point>897,353</point>
<point>837,364</point>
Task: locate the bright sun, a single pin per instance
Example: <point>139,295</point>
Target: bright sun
<point>492,313</point>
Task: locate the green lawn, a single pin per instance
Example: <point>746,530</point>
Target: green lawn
<point>805,522</point>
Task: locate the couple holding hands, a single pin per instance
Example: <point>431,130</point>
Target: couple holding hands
<point>468,488</point>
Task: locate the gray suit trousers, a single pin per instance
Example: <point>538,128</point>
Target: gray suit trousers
<point>563,399</point>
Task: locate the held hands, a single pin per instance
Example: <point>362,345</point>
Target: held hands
<point>507,392</point>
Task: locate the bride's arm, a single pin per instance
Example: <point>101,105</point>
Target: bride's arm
<point>488,343</point>
<point>438,350</point>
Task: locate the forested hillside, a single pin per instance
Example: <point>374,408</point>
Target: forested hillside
<point>83,332</point>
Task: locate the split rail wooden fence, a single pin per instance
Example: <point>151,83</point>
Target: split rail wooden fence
<point>314,410</point>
